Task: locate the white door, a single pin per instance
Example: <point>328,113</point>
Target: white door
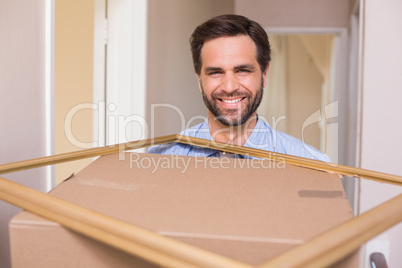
<point>120,71</point>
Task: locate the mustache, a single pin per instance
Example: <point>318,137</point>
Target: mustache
<point>220,95</point>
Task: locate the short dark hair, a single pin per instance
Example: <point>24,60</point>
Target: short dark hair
<point>230,25</point>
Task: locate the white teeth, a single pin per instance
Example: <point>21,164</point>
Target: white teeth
<point>232,101</point>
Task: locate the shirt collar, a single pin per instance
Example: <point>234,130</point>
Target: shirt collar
<point>256,138</point>
<point>252,141</point>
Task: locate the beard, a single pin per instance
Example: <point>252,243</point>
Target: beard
<point>238,116</point>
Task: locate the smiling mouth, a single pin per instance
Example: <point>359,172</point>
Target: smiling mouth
<point>232,101</point>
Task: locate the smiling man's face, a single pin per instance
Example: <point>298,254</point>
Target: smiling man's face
<point>231,80</point>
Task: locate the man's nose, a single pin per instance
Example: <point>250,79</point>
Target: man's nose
<point>230,83</point>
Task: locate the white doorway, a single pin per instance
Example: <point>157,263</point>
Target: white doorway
<point>306,74</point>
<point>313,104</point>
<point>120,42</point>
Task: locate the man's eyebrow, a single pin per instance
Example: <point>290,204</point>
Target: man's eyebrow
<point>211,69</point>
<point>245,66</point>
<point>242,66</point>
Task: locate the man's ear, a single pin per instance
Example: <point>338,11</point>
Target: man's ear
<point>265,75</point>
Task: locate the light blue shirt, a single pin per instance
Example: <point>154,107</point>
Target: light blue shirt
<point>263,137</point>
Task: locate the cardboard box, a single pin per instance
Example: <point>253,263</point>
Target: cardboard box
<point>248,210</point>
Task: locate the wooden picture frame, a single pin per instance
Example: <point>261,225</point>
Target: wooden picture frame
<point>321,251</point>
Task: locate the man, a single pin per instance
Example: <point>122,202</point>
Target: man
<point>231,56</point>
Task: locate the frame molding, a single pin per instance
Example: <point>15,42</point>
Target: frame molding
<point>321,251</point>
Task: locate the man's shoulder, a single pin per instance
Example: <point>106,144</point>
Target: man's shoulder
<point>294,146</point>
<point>280,142</point>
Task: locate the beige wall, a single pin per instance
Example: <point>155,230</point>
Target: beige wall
<point>296,13</point>
<point>74,31</point>
<point>22,101</point>
<point>381,96</point>
<point>171,79</point>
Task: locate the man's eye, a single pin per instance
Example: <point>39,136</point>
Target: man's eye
<point>243,71</point>
<point>215,73</point>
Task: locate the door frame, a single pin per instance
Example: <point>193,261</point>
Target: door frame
<point>120,56</point>
<point>344,88</point>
